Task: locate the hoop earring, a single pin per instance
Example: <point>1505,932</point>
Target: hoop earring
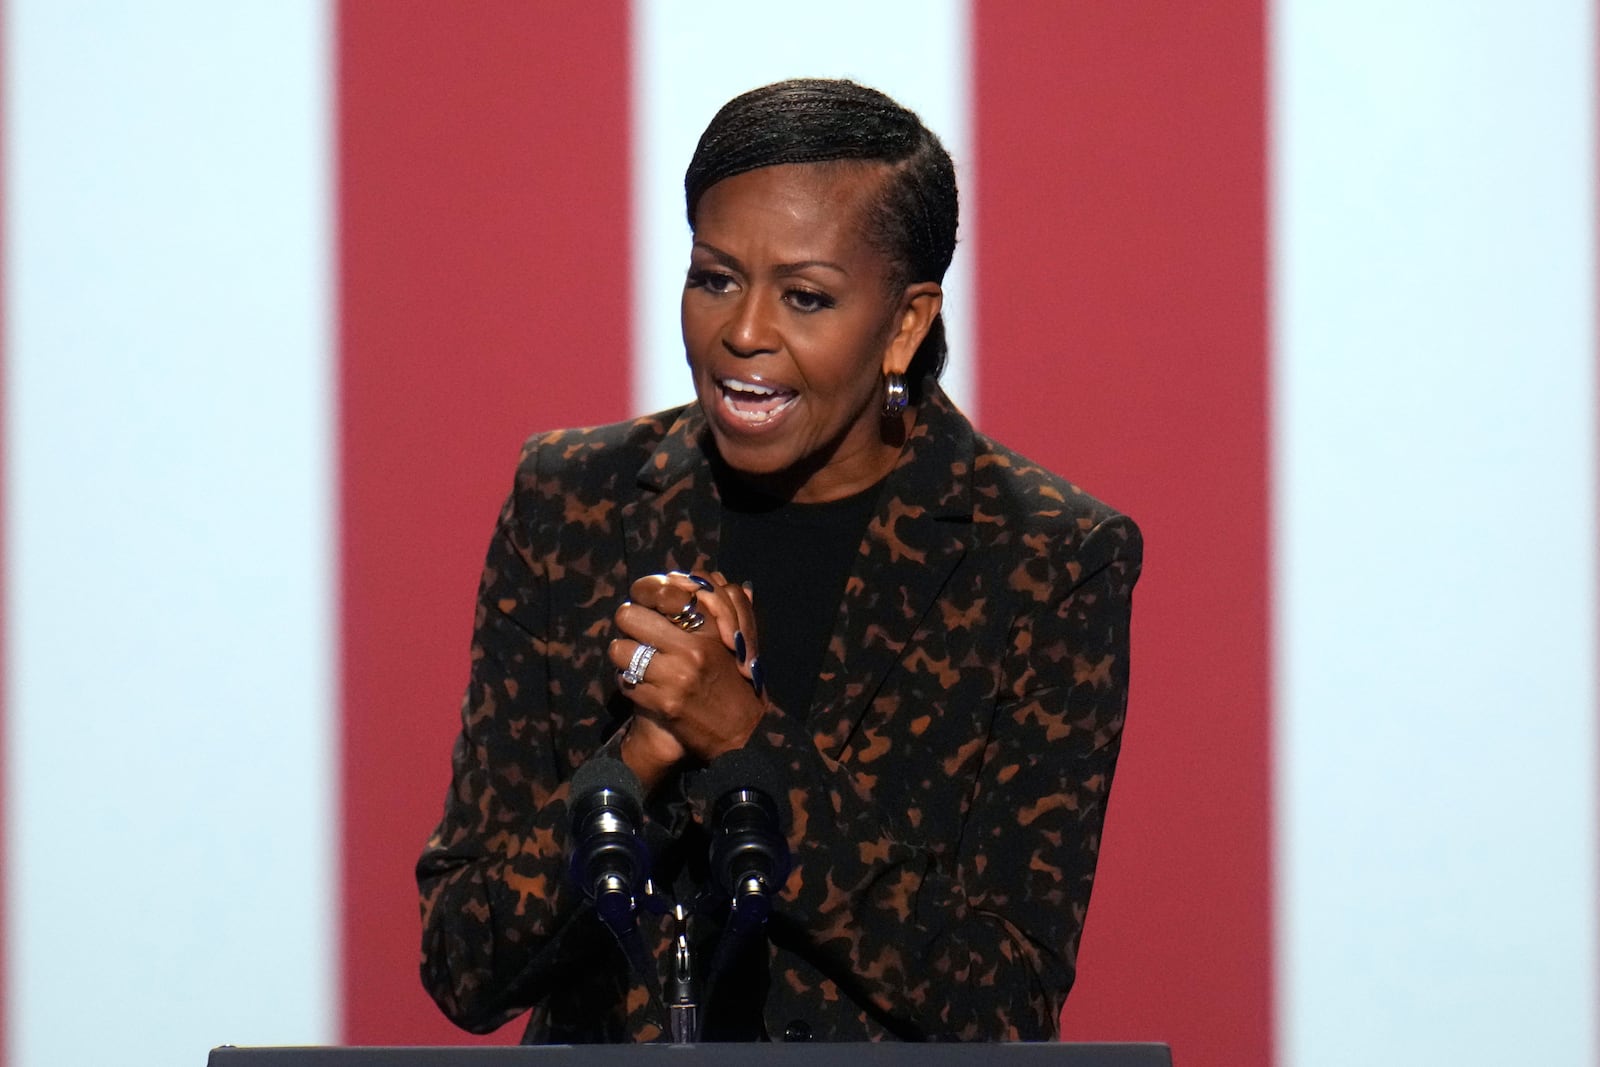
<point>895,393</point>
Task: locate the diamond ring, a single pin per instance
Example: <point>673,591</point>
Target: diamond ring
<point>633,674</point>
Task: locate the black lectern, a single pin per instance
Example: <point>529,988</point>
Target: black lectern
<point>731,1055</point>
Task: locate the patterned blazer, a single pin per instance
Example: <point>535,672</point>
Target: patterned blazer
<point>948,783</point>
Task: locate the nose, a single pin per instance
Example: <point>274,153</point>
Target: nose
<point>750,331</point>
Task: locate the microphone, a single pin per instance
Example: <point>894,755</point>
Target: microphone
<point>749,852</point>
<point>610,863</point>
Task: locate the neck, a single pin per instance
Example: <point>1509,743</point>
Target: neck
<point>832,474</point>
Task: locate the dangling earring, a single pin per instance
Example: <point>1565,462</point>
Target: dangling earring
<point>895,394</point>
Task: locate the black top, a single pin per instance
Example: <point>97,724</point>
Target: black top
<point>796,558</point>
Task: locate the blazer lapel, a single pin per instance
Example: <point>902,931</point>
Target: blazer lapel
<point>674,523</point>
<point>919,534</point>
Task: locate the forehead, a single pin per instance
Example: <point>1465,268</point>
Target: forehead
<point>805,202</point>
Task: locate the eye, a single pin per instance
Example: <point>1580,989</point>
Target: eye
<point>808,300</point>
<point>712,281</point>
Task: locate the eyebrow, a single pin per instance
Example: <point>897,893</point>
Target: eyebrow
<point>732,262</point>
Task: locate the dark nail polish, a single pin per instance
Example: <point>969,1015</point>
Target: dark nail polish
<point>701,582</point>
<point>758,676</point>
<point>738,644</point>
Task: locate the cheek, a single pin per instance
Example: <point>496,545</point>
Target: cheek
<point>695,329</point>
<point>854,356</point>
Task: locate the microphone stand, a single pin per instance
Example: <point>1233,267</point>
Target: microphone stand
<point>684,1010</point>
<point>610,862</point>
<point>749,862</point>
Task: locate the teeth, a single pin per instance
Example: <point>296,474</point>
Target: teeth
<point>748,387</point>
<point>754,412</point>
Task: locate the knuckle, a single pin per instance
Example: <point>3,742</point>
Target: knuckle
<point>647,590</point>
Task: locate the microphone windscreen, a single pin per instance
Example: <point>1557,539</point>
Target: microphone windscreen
<point>747,768</point>
<point>606,772</point>
<point>609,863</point>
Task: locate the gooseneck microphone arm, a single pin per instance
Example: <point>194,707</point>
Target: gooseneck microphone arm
<point>749,855</point>
<point>749,850</point>
<point>610,863</point>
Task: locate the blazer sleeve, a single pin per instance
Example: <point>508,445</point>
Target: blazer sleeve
<point>978,942</point>
<point>493,893</point>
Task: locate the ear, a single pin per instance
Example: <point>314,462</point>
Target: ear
<point>919,306</point>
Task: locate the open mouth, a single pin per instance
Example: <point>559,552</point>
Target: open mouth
<point>754,404</point>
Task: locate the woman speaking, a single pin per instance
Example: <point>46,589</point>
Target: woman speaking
<point>818,566</point>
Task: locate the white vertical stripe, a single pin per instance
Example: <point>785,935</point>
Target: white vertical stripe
<point>686,66</point>
<point>1434,226</point>
<point>169,651</point>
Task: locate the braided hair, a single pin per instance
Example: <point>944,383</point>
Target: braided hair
<point>818,120</point>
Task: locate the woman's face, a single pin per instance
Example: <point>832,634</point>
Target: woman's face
<point>790,323</point>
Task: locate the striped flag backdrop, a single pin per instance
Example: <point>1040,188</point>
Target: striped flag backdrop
<point>1307,288</point>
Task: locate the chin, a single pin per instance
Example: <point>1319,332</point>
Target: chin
<point>758,460</point>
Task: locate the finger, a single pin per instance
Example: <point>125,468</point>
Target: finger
<point>718,610</point>
<point>668,594</point>
<point>743,599</point>
<point>698,599</point>
<point>735,603</point>
<point>721,611</point>
<point>675,595</point>
<point>630,661</point>
<point>620,651</point>
<point>648,746</point>
<point>652,627</point>
<point>653,676</point>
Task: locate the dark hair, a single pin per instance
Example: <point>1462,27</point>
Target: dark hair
<point>817,120</point>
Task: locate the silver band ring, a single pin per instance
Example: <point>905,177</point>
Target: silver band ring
<point>689,619</point>
<point>633,674</point>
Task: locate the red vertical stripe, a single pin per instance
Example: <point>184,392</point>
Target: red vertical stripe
<point>5,555</point>
<point>485,291</point>
<point>1122,288</point>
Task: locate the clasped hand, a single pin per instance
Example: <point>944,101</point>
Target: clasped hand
<point>699,695</point>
